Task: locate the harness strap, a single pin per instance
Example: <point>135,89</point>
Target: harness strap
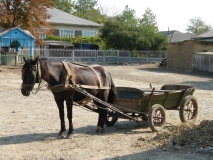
<point>69,77</point>
<point>92,87</point>
<point>69,74</point>
<point>96,75</point>
<point>85,101</point>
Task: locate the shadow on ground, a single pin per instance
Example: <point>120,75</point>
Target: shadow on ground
<point>124,127</point>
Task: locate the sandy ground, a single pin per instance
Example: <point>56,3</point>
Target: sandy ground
<point>29,125</point>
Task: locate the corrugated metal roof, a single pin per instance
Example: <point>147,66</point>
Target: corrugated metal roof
<point>166,33</point>
<point>56,43</point>
<point>180,37</point>
<point>4,31</point>
<point>60,17</point>
<point>205,35</point>
<point>176,36</point>
<point>205,53</point>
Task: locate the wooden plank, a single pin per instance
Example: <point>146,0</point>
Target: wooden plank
<point>128,103</point>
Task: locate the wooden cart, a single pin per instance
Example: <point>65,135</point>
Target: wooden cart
<point>150,104</point>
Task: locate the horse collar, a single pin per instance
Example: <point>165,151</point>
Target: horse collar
<point>69,74</point>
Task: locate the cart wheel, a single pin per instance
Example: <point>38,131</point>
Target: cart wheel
<point>144,118</point>
<point>110,121</point>
<point>156,117</point>
<point>188,109</point>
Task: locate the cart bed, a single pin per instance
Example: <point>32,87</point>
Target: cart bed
<point>169,96</point>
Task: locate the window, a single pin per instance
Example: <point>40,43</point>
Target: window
<point>42,33</point>
<point>88,33</point>
<point>66,33</point>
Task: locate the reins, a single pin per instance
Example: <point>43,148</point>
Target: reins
<point>38,76</point>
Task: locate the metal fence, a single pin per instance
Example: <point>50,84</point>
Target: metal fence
<point>92,56</point>
<point>203,62</point>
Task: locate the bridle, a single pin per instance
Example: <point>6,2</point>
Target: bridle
<point>36,73</point>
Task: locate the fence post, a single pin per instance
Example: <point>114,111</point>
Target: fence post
<point>118,54</point>
<point>16,59</point>
<point>129,56</point>
<point>96,55</point>
<point>104,57</point>
<point>73,52</point>
<point>48,53</point>
<point>147,56</point>
<point>209,64</point>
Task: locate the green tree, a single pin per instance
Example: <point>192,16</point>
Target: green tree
<point>150,38</point>
<point>123,32</point>
<point>148,19</point>
<point>87,9</point>
<point>64,5</point>
<point>128,16</point>
<point>82,8</point>
<point>197,26</point>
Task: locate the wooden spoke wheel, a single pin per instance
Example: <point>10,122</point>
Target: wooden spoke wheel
<point>110,121</point>
<point>188,109</point>
<point>156,117</point>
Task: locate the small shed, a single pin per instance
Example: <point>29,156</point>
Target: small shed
<point>51,44</point>
<point>203,62</point>
<point>180,54</point>
<point>16,38</point>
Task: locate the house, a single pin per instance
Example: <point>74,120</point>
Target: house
<point>180,54</point>
<point>14,38</point>
<point>66,24</point>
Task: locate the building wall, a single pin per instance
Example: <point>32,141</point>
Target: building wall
<point>17,35</point>
<point>203,47</point>
<point>77,29</point>
<point>179,55</point>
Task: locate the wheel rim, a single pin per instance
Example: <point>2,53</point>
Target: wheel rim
<point>189,110</point>
<point>109,118</point>
<point>158,118</point>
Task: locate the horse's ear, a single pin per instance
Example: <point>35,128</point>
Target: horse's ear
<point>24,59</point>
<point>36,59</point>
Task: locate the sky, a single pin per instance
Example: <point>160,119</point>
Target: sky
<point>170,14</point>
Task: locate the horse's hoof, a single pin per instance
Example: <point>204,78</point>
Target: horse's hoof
<point>99,130</point>
<point>69,136</point>
<point>62,135</point>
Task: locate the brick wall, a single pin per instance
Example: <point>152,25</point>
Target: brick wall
<point>179,55</point>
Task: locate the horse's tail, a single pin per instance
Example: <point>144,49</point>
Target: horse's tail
<point>113,94</point>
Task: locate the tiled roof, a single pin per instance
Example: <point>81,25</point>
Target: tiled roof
<point>60,17</point>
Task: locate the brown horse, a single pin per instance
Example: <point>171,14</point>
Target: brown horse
<point>96,80</point>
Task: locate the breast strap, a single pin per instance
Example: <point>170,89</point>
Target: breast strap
<point>70,77</point>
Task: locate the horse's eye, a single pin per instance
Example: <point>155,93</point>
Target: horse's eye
<point>33,68</point>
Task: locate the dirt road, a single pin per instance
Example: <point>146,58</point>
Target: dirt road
<point>29,125</point>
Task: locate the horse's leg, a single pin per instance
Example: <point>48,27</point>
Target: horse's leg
<point>102,112</point>
<point>60,104</point>
<point>69,103</point>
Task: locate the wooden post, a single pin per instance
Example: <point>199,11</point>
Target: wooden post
<point>147,106</point>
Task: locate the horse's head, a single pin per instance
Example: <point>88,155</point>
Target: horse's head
<point>29,75</point>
